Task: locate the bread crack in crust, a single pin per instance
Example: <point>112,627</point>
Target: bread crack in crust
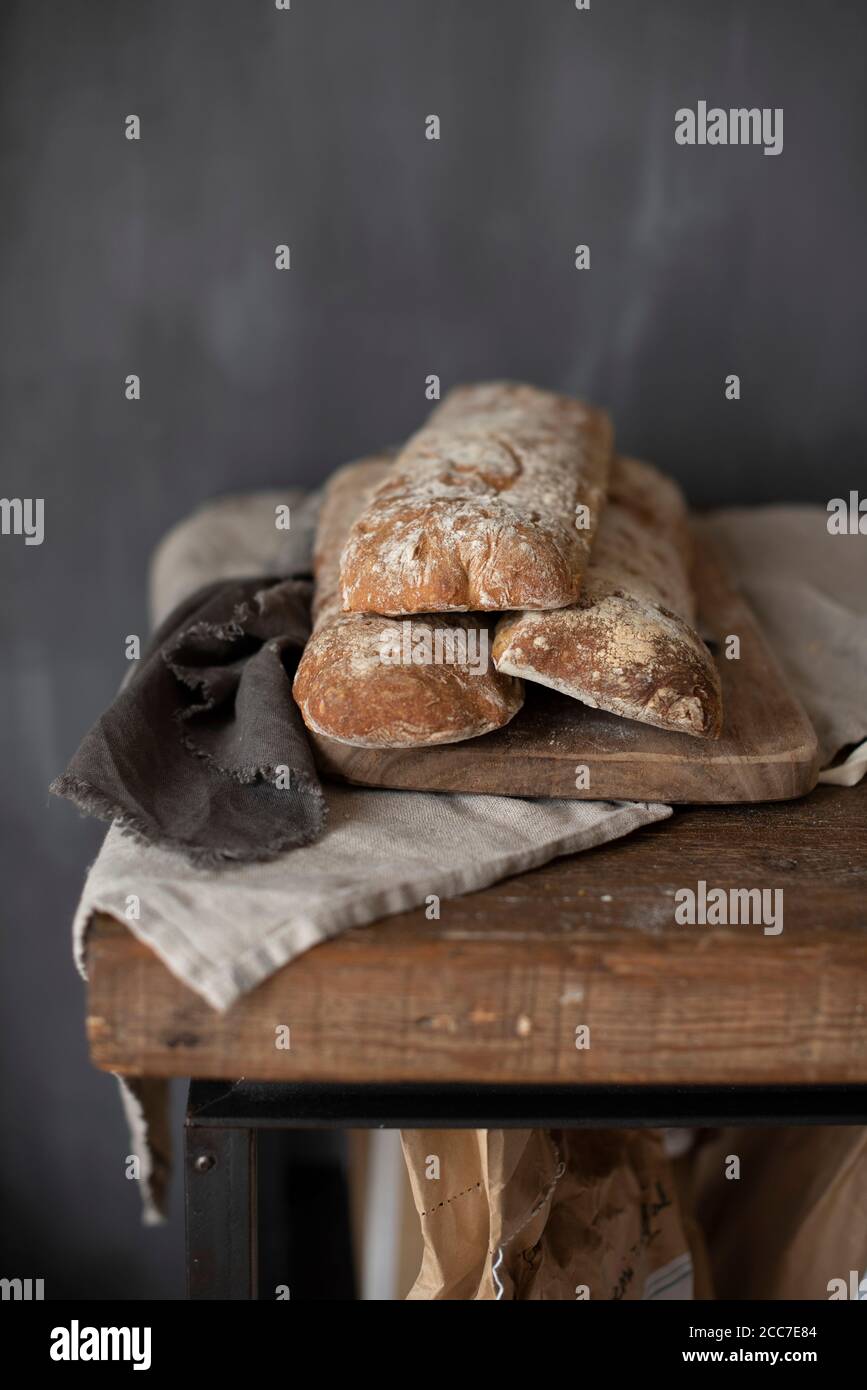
<point>480,509</point>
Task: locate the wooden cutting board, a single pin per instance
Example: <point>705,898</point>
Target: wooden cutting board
<point>767,751</point>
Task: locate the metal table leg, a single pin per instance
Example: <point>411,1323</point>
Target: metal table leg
<point>221,1211</point>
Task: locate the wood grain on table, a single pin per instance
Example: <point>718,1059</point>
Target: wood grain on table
<point>494,990</point>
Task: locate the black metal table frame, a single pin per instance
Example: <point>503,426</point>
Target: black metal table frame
<point>224,1117</point>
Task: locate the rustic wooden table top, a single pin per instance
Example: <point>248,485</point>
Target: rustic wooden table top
<point>495,990</point>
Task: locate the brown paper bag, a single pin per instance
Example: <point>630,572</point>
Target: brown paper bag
<point>538,1214</point>
<point>794,1220</point>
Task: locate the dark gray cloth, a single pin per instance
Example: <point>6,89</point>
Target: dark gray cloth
<point>203,750</point>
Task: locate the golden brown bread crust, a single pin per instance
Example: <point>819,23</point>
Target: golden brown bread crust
<point>343,687</point>
<point>346,494</point>
<point>479,511</point>
<point>628,645</point>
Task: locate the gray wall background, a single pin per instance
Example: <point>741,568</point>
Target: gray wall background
<point>408,257</point>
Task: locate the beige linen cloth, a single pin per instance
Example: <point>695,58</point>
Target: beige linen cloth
<point>223,932</point>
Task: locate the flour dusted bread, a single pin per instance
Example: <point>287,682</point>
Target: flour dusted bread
<point>492,505</point>
<point>628,645</point>
<point>377,684</point>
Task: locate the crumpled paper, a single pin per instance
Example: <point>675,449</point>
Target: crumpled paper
<point>531,1214</point>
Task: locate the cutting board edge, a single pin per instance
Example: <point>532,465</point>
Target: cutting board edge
<point>804,777</point>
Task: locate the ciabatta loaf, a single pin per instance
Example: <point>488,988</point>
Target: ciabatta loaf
<point>629,644</point>
<point>377,683</point>
<point>492,505</point>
